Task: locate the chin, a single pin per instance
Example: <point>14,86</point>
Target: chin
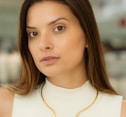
<point>51,73</point>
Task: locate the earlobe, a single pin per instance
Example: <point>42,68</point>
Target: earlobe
<point>86,43</point>
<point>86,46</point>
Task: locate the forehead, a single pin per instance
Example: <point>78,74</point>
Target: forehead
<point>50,7</point>
<point>46,11</point>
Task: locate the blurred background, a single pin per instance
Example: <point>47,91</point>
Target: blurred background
<point>111,19</point>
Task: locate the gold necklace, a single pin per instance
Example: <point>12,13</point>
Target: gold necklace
<point>77,115</point>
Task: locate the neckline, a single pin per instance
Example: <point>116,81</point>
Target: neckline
<point>87,91</point>
<point>49,86</point>
<point>60,98</point>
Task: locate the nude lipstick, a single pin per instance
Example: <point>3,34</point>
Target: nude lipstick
<point>49,60</point>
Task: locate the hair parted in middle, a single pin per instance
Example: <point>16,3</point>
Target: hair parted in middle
<point>31,77</point>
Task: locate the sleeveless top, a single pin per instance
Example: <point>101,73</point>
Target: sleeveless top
<point>66,102</point>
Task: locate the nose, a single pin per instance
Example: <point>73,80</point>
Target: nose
<point>46,43</point>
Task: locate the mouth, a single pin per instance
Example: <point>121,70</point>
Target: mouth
<point>49,60</point>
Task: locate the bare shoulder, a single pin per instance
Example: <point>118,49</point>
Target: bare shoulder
<point>123,111</point>
<point>6,102</point>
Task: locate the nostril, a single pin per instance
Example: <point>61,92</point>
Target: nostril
<point>47,47</point>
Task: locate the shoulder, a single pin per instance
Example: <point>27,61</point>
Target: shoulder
<point>6,102</point>
<point>123,110</point>
<point>5,94</point>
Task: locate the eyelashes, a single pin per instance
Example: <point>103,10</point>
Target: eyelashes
<point>32,34</point>
<point>57,29</point>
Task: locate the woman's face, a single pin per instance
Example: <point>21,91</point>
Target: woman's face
<point>55,39</point>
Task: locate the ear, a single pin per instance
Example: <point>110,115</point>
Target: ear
<point>86,44</point>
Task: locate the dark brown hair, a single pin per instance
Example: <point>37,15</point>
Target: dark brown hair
<point>31,77</point>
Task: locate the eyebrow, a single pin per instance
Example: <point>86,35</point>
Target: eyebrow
<point>56,20</point>
<point>50,23</point>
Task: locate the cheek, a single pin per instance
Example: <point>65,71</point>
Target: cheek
<point>77,44</point>
<point>32,47</point>
<point>77,48</point>
<point>73,51</point>
<point>33,52</point>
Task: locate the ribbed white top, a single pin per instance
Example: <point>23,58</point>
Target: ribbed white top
<point>66,102</point>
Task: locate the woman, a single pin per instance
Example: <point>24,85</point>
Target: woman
<point>63,71</point>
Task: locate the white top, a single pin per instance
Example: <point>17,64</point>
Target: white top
<point>66,102</point>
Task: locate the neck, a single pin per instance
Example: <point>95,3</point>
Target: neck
<point>69,81</point>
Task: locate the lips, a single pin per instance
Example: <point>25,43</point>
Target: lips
<point>49,60</point>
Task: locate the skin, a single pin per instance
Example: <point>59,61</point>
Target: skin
<point>46,40</point>
<point>6,103</point>
<point>57,34</point>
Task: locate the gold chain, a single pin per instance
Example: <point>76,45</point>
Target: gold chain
<point>77,115</point>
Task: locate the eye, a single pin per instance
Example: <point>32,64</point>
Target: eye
<point>32,34</point>
<point>59,28</point>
